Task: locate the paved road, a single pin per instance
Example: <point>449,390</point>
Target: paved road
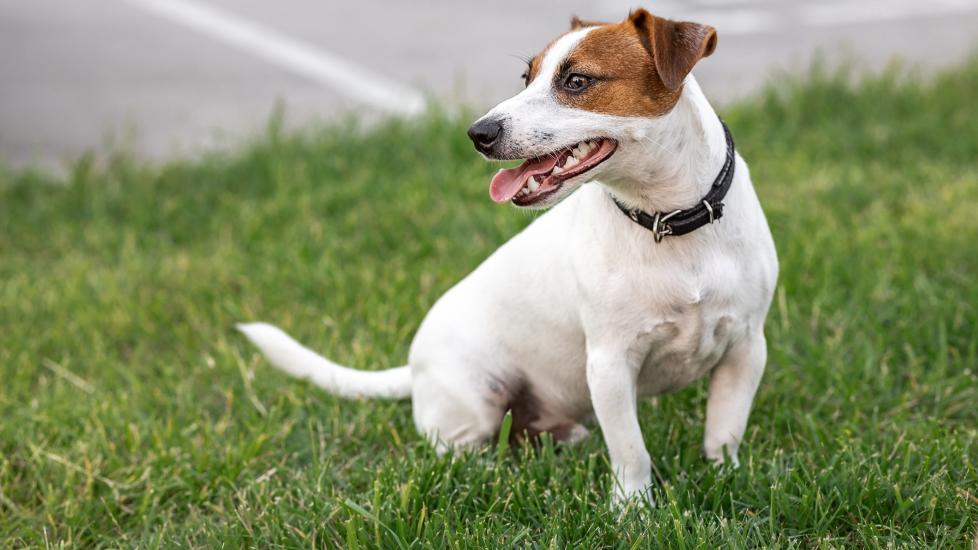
<point>168,77</point>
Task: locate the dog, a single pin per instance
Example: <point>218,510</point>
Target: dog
<point>630,285</point>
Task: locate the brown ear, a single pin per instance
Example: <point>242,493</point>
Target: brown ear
<point>675,45</point>
<point>578,23</point>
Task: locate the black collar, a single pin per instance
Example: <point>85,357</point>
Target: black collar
<point>680,222</point>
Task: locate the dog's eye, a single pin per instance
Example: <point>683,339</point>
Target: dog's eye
<point>577,82</point>
<point>526,78</point>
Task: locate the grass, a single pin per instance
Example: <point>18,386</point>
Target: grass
<point>133,415</point>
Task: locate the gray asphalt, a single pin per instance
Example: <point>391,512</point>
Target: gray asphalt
<point>88,76</point>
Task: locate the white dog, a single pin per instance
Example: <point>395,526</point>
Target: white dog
<point>625,288</point>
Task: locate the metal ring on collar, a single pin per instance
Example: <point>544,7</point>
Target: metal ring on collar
<point>709,208</point>
<point>659,228</point>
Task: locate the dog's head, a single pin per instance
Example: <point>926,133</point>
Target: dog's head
<point>592,96</point>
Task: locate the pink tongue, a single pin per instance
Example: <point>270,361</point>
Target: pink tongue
<point>508,182</point>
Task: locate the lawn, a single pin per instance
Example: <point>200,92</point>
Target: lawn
<point>135,416</point>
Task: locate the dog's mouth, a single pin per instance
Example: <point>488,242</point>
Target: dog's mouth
<point>540,177</point>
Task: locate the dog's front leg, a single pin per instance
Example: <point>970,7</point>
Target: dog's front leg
<point>612,381</point>
<point>732,387</point>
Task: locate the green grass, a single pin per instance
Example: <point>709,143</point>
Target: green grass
<point>133,414</point>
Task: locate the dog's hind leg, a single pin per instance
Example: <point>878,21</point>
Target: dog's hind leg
<point>452,411</point>
<point>457,409</point>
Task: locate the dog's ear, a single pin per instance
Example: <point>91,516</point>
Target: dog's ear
<point>675,46</point>
<point>578,23</point>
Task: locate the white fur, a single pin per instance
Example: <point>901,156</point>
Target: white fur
<point>582,306</point>
<point>301,362</point>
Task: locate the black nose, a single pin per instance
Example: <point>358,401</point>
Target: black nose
<point>485,133</point>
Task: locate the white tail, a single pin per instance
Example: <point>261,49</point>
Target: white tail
<point>301,362</point>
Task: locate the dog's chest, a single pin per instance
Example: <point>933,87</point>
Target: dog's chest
<point>683,347</point>
<point>681,320</point>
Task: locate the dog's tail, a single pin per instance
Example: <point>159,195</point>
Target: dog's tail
<point>299,361</point>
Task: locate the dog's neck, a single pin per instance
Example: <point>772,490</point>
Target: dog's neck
<point>674,160</point>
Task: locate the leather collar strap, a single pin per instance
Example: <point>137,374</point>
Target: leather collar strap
<point>680,222</point>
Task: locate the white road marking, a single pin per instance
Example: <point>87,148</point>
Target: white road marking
<point>295,56</point>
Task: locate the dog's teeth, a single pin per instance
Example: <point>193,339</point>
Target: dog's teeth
<point>533,185</point>
<point>557,170</point>
<point>571,162</point>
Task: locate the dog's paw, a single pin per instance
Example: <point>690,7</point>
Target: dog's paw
<point>638,495</point>
<point>722,458</point>
<point>722,453</point>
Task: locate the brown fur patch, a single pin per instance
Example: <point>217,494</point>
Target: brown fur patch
<point>677,46</point>
<point>626,81</point>
<point>525,408</point>
<point>638,65</point>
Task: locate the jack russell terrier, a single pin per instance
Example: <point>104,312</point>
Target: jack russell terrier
<point>630,285</point>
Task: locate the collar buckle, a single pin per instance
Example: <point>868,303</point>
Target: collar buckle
<point>659,226</point>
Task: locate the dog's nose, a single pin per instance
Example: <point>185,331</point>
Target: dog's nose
<point>485,133</point>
